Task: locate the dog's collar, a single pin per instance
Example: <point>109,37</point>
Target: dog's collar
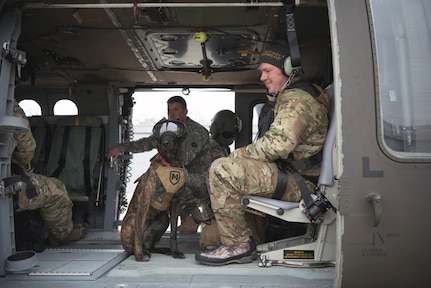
<point>164,162</point>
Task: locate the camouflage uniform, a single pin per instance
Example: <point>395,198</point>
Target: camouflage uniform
<point>25,142</point>
<point>217,151</point>
<point>197,161</point>
<point>52,198</point>
<point>299,128</point>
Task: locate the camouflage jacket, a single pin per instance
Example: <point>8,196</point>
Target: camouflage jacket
<point>217,150</point>
<point>198,158</point>
<point>299,128</point>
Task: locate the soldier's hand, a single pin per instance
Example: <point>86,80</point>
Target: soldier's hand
<point>114,152</point>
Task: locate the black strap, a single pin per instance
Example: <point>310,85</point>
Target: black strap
<point>307,86</point>
<point>282,181</point>
<point>292,39</point>
<point>86,160</point>
<point>305,193</point>
<point>266,117</point>
<point>62,159</point>
<point>30,190</point>
<point>307,163</point>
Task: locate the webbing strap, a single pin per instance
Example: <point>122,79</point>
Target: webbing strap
<point>86,160</point>
<point>307,163</point>
<point>292,39</point>
<point>62,159</point>
<point>305,193</point>
<point>280,188</point>
<point>307,86</point>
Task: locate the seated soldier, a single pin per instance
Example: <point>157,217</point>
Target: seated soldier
<point>297,132</point>
<point>47,194</point>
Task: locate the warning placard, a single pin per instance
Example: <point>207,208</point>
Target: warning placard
<point>298,254</point>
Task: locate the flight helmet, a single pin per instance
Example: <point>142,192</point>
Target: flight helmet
<point>225,126</point>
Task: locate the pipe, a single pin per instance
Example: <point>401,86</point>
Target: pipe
<point>167,5</point>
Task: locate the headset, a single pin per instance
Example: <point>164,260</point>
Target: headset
<point>287,66</point>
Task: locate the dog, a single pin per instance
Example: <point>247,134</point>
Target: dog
<point>157,197</point>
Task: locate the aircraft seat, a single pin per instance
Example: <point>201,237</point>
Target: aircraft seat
<point>76,152</point>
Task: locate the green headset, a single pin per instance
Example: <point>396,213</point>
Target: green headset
<point>287,66</point>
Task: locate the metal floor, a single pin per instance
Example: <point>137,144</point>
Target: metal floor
<point>99,261</point>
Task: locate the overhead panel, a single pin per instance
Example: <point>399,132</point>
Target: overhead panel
<point>177,49</point>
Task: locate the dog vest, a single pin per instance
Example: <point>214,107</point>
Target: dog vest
<point>172,178</point>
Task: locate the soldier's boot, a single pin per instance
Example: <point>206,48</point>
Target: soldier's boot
<point>210,236</point>
<point>223,254</point>
<point>190,221</point>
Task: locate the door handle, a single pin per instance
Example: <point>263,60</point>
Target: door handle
<point>376,200</point>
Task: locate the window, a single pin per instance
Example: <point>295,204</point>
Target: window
<point>65,107</point>
<point>30,107</point>
<point>402,40</point>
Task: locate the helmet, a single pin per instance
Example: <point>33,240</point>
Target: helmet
<point>225,127</point>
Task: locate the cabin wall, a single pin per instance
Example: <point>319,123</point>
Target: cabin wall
<point>375,239</point>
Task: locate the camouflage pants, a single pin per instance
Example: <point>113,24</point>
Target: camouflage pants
<point>229,180</point>
<point>53,201</point>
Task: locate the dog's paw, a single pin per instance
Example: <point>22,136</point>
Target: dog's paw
<point>178,255</point>
<point>143,257</point>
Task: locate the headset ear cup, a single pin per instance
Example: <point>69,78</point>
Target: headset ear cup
<point>287,66</point>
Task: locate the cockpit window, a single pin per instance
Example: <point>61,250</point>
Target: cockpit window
<point>402,41</point>
<point>65,107</point>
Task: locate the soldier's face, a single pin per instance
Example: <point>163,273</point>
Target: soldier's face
<point>273,78</point>
<point>177,112</point>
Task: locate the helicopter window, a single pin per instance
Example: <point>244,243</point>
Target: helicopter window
<point>402,36</point>
<point>65,107</point>
<point>30,107</point>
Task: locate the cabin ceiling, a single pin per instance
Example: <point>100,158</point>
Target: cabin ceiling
<point>152,46</point>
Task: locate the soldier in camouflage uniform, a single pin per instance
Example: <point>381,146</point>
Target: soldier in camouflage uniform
<point>298,130</point>
<point>197,159</point>
<point>49,194</point>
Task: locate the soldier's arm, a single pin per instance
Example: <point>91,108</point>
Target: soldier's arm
<point>284,134</point>
<point>25,142</point>
<point>141,145</point>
